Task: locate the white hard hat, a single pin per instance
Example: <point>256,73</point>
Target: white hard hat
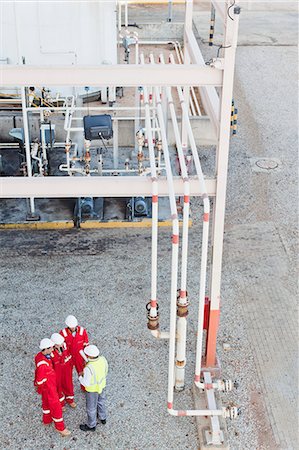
<point>57,339</point>
<point>46,343</point>
<point>92,350</point>
<point>71,321</point>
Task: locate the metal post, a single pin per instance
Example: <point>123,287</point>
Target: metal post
<point>169,17</point>
<point>31,215</point>
<point>230,44</point>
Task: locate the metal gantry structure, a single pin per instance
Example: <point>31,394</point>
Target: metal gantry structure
<point>157,78</point>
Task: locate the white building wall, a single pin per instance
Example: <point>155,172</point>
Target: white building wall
<point>59,33</point>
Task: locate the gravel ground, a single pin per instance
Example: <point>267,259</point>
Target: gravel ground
<point>103,278</point>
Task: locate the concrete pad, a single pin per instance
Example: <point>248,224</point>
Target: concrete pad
<point>256,28</point>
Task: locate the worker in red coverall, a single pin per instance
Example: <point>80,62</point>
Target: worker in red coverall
<point>63,366</point>
<point>46,386</point>
<point>76,339</point>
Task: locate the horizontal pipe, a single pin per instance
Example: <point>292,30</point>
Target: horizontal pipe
<point>160,334</point>
<point>198,412</point>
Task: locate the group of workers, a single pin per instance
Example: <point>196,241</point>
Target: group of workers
<point>54,376</point>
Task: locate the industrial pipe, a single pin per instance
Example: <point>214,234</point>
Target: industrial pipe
<point>153,315</point>
<point>175,250</point>
<point>205,234</point>
<point>27,145</point>
<point>175,240</point>
<point>182,305</point>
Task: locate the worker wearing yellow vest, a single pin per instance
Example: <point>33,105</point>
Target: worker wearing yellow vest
<point>94,381</point>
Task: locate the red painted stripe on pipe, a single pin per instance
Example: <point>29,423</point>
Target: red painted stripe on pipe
<point>169,405</point>
<point>186,198</point>
<point>212,337</point>
<point>175,238</point>
<point>183,294</point>
<point>155,199</point>
<point>197,378</point>
<point>153,303</point>
<point>206,217</point>
<point>182,413</point>
<point>208,386</point>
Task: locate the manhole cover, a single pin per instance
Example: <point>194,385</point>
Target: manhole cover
<point>268,164</point>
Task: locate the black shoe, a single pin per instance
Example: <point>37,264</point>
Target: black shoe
<point>103,421</point>
<point>87,428</point>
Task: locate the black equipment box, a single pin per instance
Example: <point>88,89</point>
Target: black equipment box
<point>98,127</point>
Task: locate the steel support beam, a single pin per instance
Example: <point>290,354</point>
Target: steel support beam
<point>72,187</point>
<point>209,96</point>
<point>110,75</point>
<point>230,45</point>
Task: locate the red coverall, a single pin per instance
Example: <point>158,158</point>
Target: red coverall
<point>45,381</point>
<point>63,366</point>
<point>75,344</point>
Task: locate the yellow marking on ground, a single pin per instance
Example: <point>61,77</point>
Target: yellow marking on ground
<point>146,223</point>
<point>92,224</point>
<point>37,226</point>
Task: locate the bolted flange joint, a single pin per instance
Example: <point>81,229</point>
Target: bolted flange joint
<point>182,303</point>
<point>152,321</point>
<point>182,309</point>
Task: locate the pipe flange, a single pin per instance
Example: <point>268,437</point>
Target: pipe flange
<point>153,323</point>
<point>182,309</point>
<point>148,307</point>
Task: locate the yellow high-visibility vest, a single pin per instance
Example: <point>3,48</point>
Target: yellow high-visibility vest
<point>99,369</point>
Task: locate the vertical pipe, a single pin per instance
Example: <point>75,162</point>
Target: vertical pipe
<point>205,233</point>
<point>126,14</point>
<point>193,95</point>
<point>154,258</point>
<point>27,145</point>
<point>43,139</point>
<point>175,252</point>
<point>115,143</point>
<point>119,15</point>
<point>137,98</point>
<point>188,26</point>
<point>182,301</point>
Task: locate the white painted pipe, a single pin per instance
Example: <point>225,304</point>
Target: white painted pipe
<point>180,60</point>
<point>115,144</point>
<point>34,152</point>
<point>193,95</point>
<point>175,247</point>
<point>43,138</point>
<point>175,251</point>
<point>27,145</point>
<point>205,233</point>
<point>197,412</point>
<point>119,15</point>
<point>154,257</point>
<point>126,14</point>
<point>182,321</point>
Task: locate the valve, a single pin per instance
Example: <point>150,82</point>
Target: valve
<point>224,385</point>
<point>153,321</point>
<point>231,412</point>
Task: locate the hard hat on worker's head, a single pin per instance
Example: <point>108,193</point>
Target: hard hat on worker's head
<point>57,339</point>
<point>71,321</point>
<point>46,343</point>
<point>92,350</point>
